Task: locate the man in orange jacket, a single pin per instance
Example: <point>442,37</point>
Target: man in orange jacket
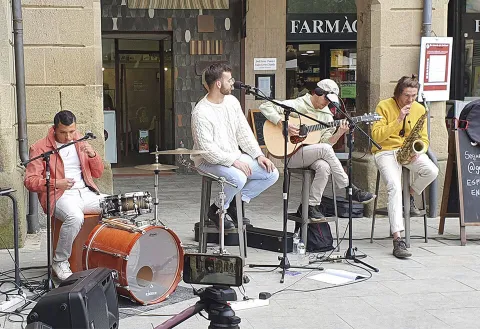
<point>72,190</point>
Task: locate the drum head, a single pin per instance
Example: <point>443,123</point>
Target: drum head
<point>154,265</point>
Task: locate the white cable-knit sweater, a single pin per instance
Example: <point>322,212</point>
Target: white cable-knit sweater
<point>221,129</point>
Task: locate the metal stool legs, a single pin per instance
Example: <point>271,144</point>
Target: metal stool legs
<point>203,230</point>
<point>375,206</point>
<point>406,205</point>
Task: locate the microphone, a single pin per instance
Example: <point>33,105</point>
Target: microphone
<point>240,85</point>
<point>333,105</point>
<point>90,135</point>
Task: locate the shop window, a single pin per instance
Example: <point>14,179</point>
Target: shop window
<point>472,68</point>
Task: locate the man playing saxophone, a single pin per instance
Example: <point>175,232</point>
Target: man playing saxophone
<point>400,115</point>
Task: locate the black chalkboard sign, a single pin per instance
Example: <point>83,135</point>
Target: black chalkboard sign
<point>257,119</point>
<point>461,194</point>
<point>468,175</point>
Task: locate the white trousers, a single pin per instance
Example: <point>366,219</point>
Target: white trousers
<point>322,159</point>
<point>70,209</point>
<point>424,172</point>
<point>250,186</point>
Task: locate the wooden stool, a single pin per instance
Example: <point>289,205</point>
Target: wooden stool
<point>307,176</point>
<point>89,223</point>
<point>406,205</point>
<point>204,229</point>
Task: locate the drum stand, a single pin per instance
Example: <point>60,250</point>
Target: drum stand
<point>221,182</point>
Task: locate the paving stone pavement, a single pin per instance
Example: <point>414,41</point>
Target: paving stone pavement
<point>438,287</point>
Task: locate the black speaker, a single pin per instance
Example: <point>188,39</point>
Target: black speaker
<point>87,299</point>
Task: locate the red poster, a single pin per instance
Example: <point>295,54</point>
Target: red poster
<point>436,69</point>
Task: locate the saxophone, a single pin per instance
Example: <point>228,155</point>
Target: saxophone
<point>413,144</point>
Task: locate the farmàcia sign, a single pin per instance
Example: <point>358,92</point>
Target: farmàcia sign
<point>319,27</point>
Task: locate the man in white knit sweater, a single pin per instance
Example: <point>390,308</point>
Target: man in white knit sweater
<point>219,126</point>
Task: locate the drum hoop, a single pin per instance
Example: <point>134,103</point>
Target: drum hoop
<point>87,252</point>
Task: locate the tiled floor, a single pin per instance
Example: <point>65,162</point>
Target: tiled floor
<point>439,287</point>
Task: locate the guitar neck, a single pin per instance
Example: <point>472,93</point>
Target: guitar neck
<point>331,124</point>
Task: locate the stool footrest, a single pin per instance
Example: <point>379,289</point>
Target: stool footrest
<point>384,212</point>
<point>298,219</point>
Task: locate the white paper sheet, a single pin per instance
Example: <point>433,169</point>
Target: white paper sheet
<point>332,276</point>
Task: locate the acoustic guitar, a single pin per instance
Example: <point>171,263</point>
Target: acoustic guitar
<point>310,131</point>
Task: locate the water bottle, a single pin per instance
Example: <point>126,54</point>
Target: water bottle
<point>182,146</point>
<point>302,253</point>
<point>296,240</point>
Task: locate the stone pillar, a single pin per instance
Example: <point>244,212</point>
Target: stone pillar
<point>266,37</point>
<point>388,47</point>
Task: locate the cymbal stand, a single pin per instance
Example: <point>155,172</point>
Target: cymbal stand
<point>155,202</point>
<point>221,194</point>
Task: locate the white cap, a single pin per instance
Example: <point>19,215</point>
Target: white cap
<point>330,88</point>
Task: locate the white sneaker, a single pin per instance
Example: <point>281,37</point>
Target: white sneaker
<point>62,269</point>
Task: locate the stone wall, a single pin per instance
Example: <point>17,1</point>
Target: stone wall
<point>63,70</point>
<point>11,174</point>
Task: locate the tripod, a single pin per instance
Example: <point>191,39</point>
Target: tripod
<point>48,283</point>
<point>350,253</point>
<point>213,300</point>
<point>287,110</point>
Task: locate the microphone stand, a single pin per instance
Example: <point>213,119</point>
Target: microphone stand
<point>350,253</point>
<point>287,110</point>
<point>48,284</point>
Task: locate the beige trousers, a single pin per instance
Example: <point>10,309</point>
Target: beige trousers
<point>322,159</point>
<point>424,172</point>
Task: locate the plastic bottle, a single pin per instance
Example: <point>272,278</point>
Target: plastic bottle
<point>296,240</point>
<point>302,254</point>
<point>182,146</point>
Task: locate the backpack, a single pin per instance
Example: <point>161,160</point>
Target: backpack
<point>319,236</point>
<point>470,120</point>
<point>328,208</point>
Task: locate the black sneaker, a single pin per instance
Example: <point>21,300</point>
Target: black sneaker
<point>214,217</point>
<point>400,249</point>
<point>232,212</point>
<point>314,213</point>
<point>414,211</point>
<point>361,196</point>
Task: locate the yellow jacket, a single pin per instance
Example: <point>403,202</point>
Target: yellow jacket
<point>386,132</point>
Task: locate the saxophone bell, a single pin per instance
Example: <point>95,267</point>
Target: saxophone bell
<point>418,147</point>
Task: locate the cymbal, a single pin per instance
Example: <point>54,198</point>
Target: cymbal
<point>156,166</point>
<point>180,151</point>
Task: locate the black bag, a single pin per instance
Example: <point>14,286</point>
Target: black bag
<point>319,237</point>
<point>342,207</point>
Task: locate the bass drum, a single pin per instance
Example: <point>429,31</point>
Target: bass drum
<point>148,260</point>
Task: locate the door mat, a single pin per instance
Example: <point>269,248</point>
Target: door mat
<point>128,308</point>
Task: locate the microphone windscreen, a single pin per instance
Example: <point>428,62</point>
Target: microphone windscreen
<point>238,84</point>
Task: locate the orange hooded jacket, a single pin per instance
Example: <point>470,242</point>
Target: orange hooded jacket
<point>35,174</point>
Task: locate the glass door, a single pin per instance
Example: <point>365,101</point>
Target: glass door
<point>141,76</point>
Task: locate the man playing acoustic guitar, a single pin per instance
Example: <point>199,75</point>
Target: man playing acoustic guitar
<point>320,155</point>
